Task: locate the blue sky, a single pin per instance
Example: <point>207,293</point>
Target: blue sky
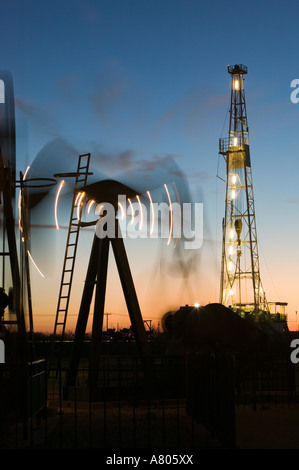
<point>148,78</point>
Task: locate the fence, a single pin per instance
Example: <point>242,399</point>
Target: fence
<point>175,402</point>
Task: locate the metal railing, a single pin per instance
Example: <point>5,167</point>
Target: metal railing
<point>183,402</point>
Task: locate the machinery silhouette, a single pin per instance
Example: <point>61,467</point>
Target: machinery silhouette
<point>130,193</point>
<point>61,175</point>
<point>241,286</point>
<point>85,184</point>
<point>15,282</point>
<point>243,319</point>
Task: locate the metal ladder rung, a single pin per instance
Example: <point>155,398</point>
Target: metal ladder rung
<point>82,171</point>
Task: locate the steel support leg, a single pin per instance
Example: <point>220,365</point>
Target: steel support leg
<point>130,295</point>
<point>98,316</point>
<point>83,312</point>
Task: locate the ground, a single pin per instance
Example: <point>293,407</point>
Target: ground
<point>272,428</point>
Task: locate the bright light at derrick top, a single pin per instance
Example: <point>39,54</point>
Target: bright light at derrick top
<point>236,84</point>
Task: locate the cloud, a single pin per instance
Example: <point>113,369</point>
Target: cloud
<point>199,177</point>
<point>292,201</point>
<point>125,159</point>
<point>89,12</point>
<point>68,89</point>
<point>39,117</point>
<point>112,86</point>
<point>193,108</point>
<point>111,162</point>
<point>107,97</point>
<point>149,165</point>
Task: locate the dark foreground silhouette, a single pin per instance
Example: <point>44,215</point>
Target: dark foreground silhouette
<point>214,327</point>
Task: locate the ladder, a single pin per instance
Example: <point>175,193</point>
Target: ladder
<point>71,249</point>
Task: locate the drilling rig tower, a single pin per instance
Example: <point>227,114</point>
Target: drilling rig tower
<point>241,286</point>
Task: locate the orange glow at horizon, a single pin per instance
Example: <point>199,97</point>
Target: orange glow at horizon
<point>157,291</point>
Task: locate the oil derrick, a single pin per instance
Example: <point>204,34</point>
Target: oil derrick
<point>241,287</point>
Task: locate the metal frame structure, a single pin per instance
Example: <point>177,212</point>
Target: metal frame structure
<point>96,279</point>
<point>24,249</point>
<point>9,243</point>
<point>95,283</point>
<point>241,284</point>
<point>17,281</point>
<point>71,248</point>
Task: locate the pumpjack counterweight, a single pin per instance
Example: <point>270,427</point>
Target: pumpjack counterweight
<point>241,284</point>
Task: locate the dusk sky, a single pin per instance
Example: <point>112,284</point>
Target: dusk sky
<point>134,82</point>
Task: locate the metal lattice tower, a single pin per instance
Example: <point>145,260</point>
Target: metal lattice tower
<point>241,285</point>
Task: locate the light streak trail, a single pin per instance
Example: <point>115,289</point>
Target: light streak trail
<point>98,209</point>
<point>141,213</point>
<point>34,264</point>
<point>56,203</point>
<point>20,202</point>
<point>77,198</point>
<point>89,205</point>
<point>82,195</point>
<point>171,214</point>
<point>132,210</point>
<point>19,207</point>
<point>152,212</point>
<point>122,211</point>
<point>25,174</point>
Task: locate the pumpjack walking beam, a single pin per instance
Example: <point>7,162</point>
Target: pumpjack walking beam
<point>97,276</point>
